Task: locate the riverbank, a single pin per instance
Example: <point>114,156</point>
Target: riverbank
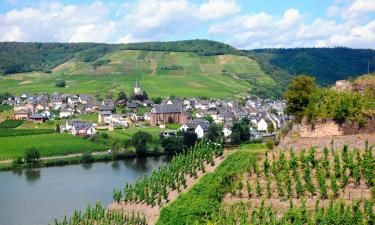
<point>76,159</point>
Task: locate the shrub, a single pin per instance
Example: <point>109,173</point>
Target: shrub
<point>32,155</point>
<point>60,83</point>
<point>87,157</point>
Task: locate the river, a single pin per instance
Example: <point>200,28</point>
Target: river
<point>38,196</point>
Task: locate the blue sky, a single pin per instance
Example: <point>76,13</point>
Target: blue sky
<point>245,24</point>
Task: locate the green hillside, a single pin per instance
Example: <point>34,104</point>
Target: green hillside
<point>325,64</point>
<point>160,74</point>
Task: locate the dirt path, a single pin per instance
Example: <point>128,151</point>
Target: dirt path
<point>61,156</point>
<point>152,213</point>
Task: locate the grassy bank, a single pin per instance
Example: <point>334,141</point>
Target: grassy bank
<point>206,196</point>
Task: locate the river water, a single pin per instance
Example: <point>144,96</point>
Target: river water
<point>38,196</point>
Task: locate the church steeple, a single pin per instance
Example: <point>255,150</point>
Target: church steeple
<point>137,88</point>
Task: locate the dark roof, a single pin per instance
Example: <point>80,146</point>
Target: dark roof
<point>79,125</point>
<point>131,105</point>
<point>36,116</point>
<point>167,108</point>
<point>194,125</point>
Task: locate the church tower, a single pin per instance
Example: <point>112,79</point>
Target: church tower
<point>137,88</point>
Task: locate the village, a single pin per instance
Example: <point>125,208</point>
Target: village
<point>184,114</point>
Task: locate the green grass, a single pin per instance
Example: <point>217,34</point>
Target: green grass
<point>206,196</point>
<point>200,75</point>
<point>173,126</point>
<point>48,145</point>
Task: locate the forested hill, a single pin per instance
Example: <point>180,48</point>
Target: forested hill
<point>326,64</point>
<point>17,57</point>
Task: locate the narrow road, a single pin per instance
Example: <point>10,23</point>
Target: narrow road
<point>62,156</point>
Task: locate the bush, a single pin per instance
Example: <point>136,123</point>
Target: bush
<point>32,155</point>
<point>60,83</point>
<point>87,157</point>
<point>16,162</point>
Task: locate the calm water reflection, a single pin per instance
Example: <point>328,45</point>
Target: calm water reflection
<point>37,196</point>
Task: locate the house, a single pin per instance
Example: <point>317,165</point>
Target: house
<point>227,130</point>
<point>119,120</point>
<point>168,113</point>
<point>37,117</point>
<point>105,117</point>
<point>132,106</point>
<point>21,114</point>
<point>198,127</point>
<point>262,125</point>
<point>80,128</point>
<point>64,113</point>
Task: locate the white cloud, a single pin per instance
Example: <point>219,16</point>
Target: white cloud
<point>292,30</point>
<point>214,9</point>
<point>359,8</point>
<point>57,22</point>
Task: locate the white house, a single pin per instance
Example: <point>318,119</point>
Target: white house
<point>64,113</point>
<point>227,132</point>
<point>262,125</point>
<point>79,128</point>
<point>198,127</point>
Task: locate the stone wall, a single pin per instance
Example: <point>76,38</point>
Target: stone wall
<point>331,128</point>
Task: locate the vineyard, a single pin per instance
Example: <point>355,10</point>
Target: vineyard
<point>154,189</point>
<point>48,145</point>
<point>10,124</point>
<point>337,212</point>
<point>24,132</point>
<point>285,186</point>
<point>100,216</point>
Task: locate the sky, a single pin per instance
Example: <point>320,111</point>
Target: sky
<point>245,24</point>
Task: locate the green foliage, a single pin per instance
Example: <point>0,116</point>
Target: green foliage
<point>240,132</point>
<point>140,140</point>
<point>47,144</point>
<point>17,57</point>
<point>213,132</point>
<point>298,94</point>
<point>32,155</point>
<point>24,132</point>
<point>10,124</point>
<point>205,197</point>
<point>338,106</point>
<point>325,64</point>
<point>201,47</point>
<point>100,215</point>
<point>87,157</point>
<point>60,83</point>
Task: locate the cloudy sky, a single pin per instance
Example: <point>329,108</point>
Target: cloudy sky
<point>245,24</point>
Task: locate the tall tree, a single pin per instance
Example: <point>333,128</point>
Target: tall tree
<point>297,95</point>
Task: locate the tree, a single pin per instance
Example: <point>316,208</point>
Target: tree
<point>213,132</point>
<point>32,155</point>
<point>270,128</point>
<point>140,140</point>
<point>122,96</point>
<point>209,118</point>
<point>189,138</point>
<point>60,83</point>
<point>297,95</point>
<point>87,157</point>
<point>172,144</point>
<point>240,132</point>
<point>157,100</point>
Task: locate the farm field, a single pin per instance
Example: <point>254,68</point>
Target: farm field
<point>160,74</point>
<point>48,145</point>
<point>280,188</point>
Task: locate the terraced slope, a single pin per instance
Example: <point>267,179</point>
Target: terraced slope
<point>160,74</point>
